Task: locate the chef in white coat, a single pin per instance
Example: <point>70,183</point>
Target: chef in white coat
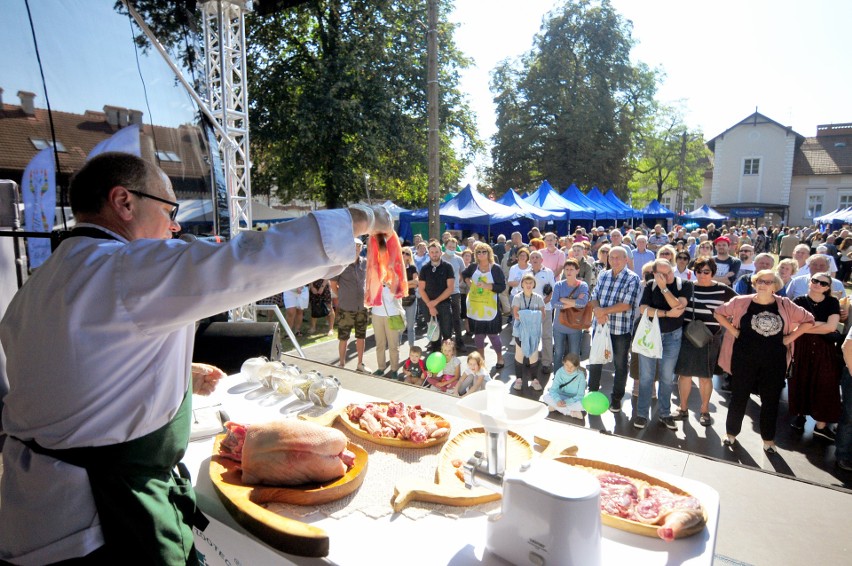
<point>99,344</point>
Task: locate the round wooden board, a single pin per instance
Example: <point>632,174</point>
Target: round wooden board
<point>626,524</point>
<point>244,502</point>
<point>356,429</point>
<point>464,444</point>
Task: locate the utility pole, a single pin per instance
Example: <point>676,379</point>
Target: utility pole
<point>679,200</point>
<point>432,111</point>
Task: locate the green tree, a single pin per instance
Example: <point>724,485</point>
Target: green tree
<point>569,109</point>
<point>668,155</point>
<point>337,96</point>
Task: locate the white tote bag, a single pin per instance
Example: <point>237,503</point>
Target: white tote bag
<point>600,351</point>
<point>648,341</point>
<point>433,330</point>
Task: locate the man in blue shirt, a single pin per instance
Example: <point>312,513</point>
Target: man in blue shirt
<point>613,300</point>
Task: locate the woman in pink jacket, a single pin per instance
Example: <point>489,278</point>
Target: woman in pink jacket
<point>756,350</point>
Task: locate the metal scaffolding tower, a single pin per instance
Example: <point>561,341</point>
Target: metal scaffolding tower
<point>226,105</point>
<point>227,97</point>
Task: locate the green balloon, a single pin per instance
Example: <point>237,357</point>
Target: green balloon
<point>436,362</point>
<point>595,403</point>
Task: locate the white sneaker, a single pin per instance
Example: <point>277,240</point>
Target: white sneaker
<point>363,369</point>
<point>518,385</point>
<point>536,385</point>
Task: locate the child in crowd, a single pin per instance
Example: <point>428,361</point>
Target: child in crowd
<point>568,388</point>
<point>451,373</point>
<point>474,377</point>
<point>414,370</point>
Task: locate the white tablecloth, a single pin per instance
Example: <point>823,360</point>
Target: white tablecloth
<point>430,540</point>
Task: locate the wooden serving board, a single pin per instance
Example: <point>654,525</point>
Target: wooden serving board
<point>245,502</point>
<point>448,488</point>
<point>328,418</point>
<point>628,525</point>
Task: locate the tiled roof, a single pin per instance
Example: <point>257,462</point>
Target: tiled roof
<point>80,133</point>
<point>824,155</point>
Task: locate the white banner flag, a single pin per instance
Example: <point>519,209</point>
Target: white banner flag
<point>125,140</point>
<point>38,189</point>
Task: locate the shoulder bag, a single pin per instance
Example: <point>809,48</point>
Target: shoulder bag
<point>696,331</point>
<point>574,317</point>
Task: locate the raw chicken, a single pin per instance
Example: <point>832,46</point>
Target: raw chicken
<point>395,419</point>
<point>287,452</point>
<point>384,267</point>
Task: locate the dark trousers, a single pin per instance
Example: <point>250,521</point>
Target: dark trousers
<point>620,352</point>
<point>422,312</point>
<point>445,322</point>
<point>767,377</point>
<point>456,317</point>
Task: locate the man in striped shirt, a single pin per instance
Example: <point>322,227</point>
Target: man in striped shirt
<point>615,294</point>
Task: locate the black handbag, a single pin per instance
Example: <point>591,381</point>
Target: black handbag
<point>696,331</point>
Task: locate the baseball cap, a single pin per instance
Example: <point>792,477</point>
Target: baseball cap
<point>722,239</point>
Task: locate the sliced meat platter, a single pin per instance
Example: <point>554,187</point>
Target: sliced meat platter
<point>642,504</point>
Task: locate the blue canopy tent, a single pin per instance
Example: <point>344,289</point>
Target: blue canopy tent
<point>613,211</point>
<point>656,211</point>
<point>575,195</point>
<point>704,215</point>
<point>523,225</point>
<point>468,210</point>
<point>618,203</point>
<point>547,198</point>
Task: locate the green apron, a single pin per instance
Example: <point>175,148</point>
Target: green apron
<point>147,510</point>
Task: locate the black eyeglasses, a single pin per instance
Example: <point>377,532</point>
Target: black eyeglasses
<point>686,257</point>
<point>820,282</point>
<point>174,211</point>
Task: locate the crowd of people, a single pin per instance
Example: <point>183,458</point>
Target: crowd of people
<point>727,279</point>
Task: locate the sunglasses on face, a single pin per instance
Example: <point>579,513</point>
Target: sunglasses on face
<point>686,257</point>
<point>820,282</point>
<point>406,253</point>
<point>480,252</point>
<point>705,272</point>
<point>765,282</point>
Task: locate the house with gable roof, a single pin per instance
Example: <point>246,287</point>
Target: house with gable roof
<point>764,169</point>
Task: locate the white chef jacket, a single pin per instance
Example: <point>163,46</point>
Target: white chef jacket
<point>99,345</point>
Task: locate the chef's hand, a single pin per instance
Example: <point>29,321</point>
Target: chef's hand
<point>370,220</point>
<point>205,378</point>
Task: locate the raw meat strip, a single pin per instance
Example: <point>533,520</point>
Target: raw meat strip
<point>384,267</point>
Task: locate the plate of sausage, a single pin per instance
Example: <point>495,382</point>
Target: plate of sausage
<point>394,423</point>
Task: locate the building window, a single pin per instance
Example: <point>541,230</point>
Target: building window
<point>666,201</point>
<point>168,156</point>
<point>845,200</point>
<point>815,205</point>
<point>751,166</point>
<point>41,144</point>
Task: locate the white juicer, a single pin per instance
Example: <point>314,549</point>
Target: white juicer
<point>551,511</point>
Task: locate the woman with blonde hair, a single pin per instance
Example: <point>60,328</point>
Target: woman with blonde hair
<point>786,269</point>
<point>485,281</point>
<point>756,350</point>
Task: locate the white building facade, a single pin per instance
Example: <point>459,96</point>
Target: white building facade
<point>765,170</point>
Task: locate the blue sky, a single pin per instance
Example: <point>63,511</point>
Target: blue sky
<point>722,58</point>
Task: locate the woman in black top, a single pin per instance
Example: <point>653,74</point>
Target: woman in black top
<point>701,362</point>
<point>815,378</point>
<point>409,303</point>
